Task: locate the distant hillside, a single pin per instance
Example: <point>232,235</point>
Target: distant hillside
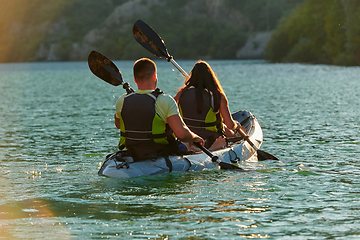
<point>52,30</point>
<point>319,31</point>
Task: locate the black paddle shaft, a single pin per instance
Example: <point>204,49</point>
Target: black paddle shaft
<point>223,165</point>
<point>205,150</point>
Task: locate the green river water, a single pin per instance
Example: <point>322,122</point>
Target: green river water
<point>56,127</point>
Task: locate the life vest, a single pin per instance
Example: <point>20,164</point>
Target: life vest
<point>143,132</point>
<point>206,124</point>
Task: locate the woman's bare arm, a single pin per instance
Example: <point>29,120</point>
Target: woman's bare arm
<point>177,97</point>
<point>226,115</point>
<point>117,122</point>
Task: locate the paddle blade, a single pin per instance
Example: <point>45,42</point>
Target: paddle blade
<point>227,166</point>
<point>149,39</point>
<point>104,68</point>
<point>223,165</point>
<point>262,156</point>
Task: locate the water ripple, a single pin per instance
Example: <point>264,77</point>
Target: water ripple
<point>57,126</point>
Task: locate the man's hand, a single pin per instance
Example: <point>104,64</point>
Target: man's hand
<point>198,139</point>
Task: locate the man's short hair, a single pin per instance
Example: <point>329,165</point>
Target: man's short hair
<point>144,68</point>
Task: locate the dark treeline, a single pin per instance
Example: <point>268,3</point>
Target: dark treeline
<point>318,31</point>
<point>41,30</point>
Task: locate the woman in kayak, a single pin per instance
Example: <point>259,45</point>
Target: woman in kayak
<point>204,106</point>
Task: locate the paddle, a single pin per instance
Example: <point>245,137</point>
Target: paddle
<point>223,165</point>
<point>150,40</point>
<point>261,155</point>
<point>106,70</point>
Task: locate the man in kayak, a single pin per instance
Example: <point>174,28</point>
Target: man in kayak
<point>148,118</point>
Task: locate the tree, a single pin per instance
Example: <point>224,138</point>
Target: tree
<point>318,31</point>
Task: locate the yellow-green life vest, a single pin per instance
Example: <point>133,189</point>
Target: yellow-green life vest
<point>142,129</point>
<point>207,123</point>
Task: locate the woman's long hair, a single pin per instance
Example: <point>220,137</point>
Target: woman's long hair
<point>203,77</point>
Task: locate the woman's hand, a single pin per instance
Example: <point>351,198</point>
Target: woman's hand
<point>238,126</point>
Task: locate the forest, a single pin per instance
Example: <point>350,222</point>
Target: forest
<point>305,31</point>
<point>318,32</point>
<point>67,30</point>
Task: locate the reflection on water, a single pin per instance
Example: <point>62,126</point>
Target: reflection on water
<point>57,126</point>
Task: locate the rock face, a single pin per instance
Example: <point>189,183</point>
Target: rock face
<point>120,20</point>
<point>255,46</point>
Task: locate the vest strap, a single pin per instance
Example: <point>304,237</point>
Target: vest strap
<point>168,163</point>
<point>144,136</point>
<point>196,123</point>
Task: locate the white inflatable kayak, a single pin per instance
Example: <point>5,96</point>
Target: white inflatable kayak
<point>118,166</point>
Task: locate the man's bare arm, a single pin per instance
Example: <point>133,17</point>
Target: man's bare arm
<point>181,131</point>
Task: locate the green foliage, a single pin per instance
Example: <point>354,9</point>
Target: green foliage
<point>63,49</point>
<point>226,42</point>
<point>303,51</point>
<point>263,14</point>
<point>319,31</point>
<point>352,26</point>
<point>193,38</point>
<point>278,46</point>
<point>84,15</point>
<point>335,31</point>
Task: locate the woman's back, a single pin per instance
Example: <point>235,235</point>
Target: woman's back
<point>204,122</point>
<point>201,99</point>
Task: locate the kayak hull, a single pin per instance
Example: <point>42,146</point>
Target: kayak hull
<point>118,166</point>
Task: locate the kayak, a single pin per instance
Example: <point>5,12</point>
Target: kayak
<point>118,165</point>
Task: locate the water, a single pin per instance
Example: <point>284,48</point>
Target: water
<point>57,126</point>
